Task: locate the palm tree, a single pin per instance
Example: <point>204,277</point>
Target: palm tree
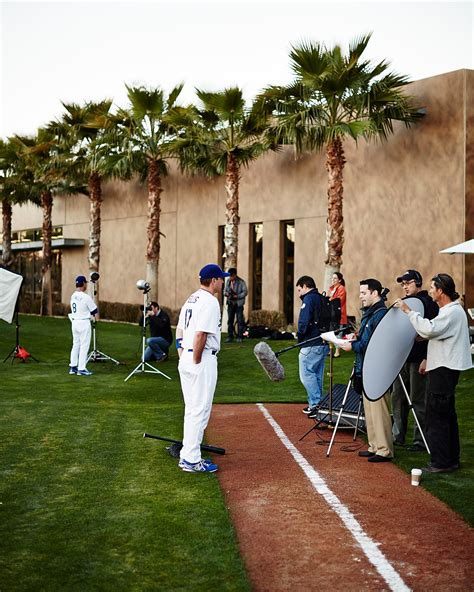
<point>144,139</point>
<point>36,153</point>
<point>16,186</point>
<point>333,97</point>
<point>8,165</point>
<point>221,138</point>
<point>41,178</point>
<point>82,136</point>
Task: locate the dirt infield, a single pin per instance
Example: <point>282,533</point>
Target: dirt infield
<point>306,521</point>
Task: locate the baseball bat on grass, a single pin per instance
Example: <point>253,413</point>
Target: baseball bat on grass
<point>214,449</point>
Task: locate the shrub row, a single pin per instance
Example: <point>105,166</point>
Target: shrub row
<point>273,319</point>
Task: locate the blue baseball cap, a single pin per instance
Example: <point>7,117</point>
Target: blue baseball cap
<point>212,271</point>
<point>81,280</point>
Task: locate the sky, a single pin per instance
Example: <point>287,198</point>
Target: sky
<point>67,51</point>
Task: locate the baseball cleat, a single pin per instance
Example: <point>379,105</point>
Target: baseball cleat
<point>72,369</point>
<point>202,466</point>
<point>84,373</point>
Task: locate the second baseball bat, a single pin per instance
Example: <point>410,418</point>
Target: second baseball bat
<point>214,449</point>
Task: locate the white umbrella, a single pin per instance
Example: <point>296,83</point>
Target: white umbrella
<point>463,248</point>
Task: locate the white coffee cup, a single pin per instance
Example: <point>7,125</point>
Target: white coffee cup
<point>415,476</point>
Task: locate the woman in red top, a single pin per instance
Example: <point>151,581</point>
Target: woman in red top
<point>338,290</point>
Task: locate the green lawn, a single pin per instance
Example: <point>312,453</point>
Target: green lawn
<point>87,504</point>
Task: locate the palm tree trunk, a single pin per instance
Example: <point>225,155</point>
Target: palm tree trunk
<point>46,287</point>
<point>335,222</point>
<point>231,230</point>
<point>153,227</point>
<point>95,197</point>
<point>7,258</point>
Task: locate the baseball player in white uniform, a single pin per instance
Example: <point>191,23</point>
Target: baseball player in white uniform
<point>82,307</point>
<point>198,339</point>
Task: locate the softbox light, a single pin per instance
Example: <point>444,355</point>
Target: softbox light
<point>10,284</point>
<point>388,350</point>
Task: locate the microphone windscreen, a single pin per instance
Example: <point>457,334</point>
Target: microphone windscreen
<point>269,362</point>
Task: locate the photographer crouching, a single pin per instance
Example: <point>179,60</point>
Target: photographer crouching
<point>161,336</point>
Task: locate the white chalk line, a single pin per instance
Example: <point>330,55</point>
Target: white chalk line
<point>368,545</point>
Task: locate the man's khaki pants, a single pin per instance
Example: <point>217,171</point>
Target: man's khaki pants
<point>379,425</point>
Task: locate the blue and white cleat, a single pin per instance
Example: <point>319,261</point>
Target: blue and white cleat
<point>84,373</point>
<point>72,369</point>
<point>202,466</point>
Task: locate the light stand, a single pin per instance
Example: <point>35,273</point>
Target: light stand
<point>16,352</point>
<point>356,427</point>
<point>410,406</point>
<point>142,366</point>
<point>96,355</point>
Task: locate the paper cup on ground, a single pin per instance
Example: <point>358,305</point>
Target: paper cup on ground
<point>415,476</point>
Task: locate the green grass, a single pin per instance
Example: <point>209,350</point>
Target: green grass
<point>87,504</point>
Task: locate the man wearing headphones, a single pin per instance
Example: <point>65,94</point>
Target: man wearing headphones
<point>415,381</point>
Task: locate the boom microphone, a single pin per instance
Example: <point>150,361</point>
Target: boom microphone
<point>268,360</point>
<point>213,449</point>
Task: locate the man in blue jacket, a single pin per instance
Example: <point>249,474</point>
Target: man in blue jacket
<point>313,355</point>
<point>377,413</point>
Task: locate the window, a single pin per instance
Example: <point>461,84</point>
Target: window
<point>35,234</point>
<point>288,244</point>
<point>28,264</point>
<point>256,263</point>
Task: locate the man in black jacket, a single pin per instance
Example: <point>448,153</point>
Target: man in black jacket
<point>312,356</point>
<point>161,336</point>
<point>412,372</point>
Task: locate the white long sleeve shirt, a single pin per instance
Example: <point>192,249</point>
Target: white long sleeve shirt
<point>448,336</point>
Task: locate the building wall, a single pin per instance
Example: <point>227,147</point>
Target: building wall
<point>404,201</point>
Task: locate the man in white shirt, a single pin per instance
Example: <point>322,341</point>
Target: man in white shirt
<point>198,338</point>
<point>82,307</point>
<point>448,354</point>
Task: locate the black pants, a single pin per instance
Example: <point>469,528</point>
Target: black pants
<point>442,432</point>
<point>232,310</point>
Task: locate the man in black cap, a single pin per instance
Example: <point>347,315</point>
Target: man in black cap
<point>415,381</point>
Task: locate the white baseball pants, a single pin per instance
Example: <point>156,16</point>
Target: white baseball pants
<point>198,383</point>
<point>81,340</point>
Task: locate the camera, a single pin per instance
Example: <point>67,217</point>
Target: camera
<point>94,277</point>
<point>145,308</point>
<point>144,286</point>
<point>384,293</point>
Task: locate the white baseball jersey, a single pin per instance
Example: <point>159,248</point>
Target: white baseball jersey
<point>81,306</point>
<point>201,312</point>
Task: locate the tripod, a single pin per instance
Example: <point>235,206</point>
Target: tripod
<point>96,355</point>
<point>328,418</point>
<point>410,407</point>
<point>344,400</point>
<point>142,366</point>
<point>18,351</point>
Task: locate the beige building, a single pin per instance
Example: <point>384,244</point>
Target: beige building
<point>404,201</point>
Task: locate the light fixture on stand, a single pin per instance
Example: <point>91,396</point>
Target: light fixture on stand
<point>96,355</point>
<point>143,366</point>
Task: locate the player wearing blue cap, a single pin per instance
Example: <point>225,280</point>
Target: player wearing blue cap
<point>82,307</point>
<point>198,338</point>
